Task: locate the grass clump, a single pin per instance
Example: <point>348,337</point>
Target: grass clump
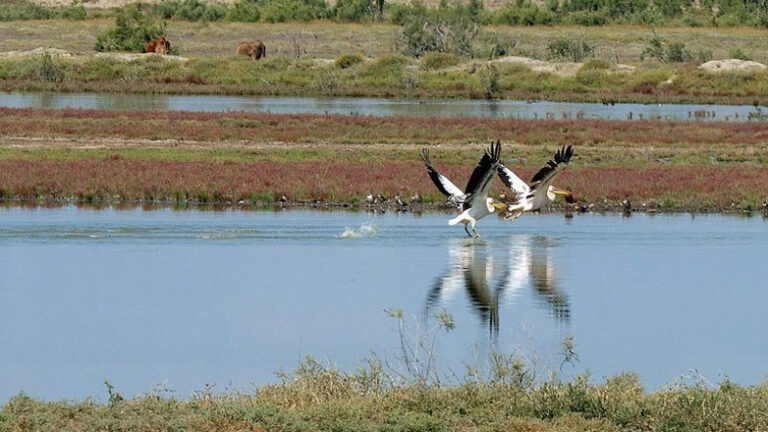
<point>569,49</point>
<point>348,60</point>
<point>595,64</point>
<point>439,60</point>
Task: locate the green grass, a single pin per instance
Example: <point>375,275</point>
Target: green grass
<point>318,397</point>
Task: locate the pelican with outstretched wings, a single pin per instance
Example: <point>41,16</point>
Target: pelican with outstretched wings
<point>541,191</point>
<point>474,202</point>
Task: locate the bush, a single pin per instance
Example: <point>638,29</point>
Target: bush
<point>293,10</point>
<point>490,81</point>
<point>595,64</point>
<point>354,10</point>
<point>74,12</point>
<point>348,60</point>
<point>24,10</point>
<point>569,49</point>
<point>438,60</point>
<point>49,69</point>
<point>737,53</point>
<point>446,29</point>
<point>493,46</point>
<point>589,18</point>
<point>131,32</point>
<point>244,11</point>
<point>674,52</point>
<point>526,15</point>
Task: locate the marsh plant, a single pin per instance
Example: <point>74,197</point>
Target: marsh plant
<point>574,50</point>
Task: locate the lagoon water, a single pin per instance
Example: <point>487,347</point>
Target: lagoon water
<point>191,298</point>
<point>385,107</point>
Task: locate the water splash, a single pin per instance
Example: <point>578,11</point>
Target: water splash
<point>366,230</point>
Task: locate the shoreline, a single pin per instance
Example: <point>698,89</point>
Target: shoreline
<point>567,210</point>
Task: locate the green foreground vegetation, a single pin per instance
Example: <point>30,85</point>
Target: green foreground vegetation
<point>321,398</point>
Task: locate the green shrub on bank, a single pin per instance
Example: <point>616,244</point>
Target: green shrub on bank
<point>132,30</point>
<point>569,49</point>
<point>438,60</point>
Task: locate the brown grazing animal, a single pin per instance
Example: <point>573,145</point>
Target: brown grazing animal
<point>159,45</point>
<point>254,50</point>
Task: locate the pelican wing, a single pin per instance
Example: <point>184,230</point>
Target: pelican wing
<point>513,182</point>
<point>445,186</point>
<point>555,166</point>
<point>479,183</point>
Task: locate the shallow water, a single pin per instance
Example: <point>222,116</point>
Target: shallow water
<point>189,298</point>
<point>385,107</point>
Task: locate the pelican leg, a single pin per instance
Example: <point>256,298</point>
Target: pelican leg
<point>474,231</point>
<point>466,230</point>
<point>513,216</point>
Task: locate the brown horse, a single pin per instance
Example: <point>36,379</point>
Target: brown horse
<point>254,50</point>
<point>159,45</point>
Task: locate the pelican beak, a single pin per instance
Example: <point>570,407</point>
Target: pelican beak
<point>567,194</point>
<point>499,206</point>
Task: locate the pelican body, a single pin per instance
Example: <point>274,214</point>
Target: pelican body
<point>541,192</point>
<point>473,203</point>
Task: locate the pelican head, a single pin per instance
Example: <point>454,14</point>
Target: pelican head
<point>553,192</point>
<point>494,205</point>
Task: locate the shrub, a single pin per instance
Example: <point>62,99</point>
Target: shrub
<point>354,10</point>
<point>595,64</point>
<point>24,10</point>
<point>447,29</point>
<point>346,60</point>
<point>74,12</point>
<point>589,18</point>
<point>737,53</point>
<point>132,30</point>
<point>197,10</point>
<point>490,81</point>
<point>438,60</point>
<point>244,11</point>
<point>674,52</point>
<point>49,69</point>
<point>293,10</point>
<point>493,46</point>
<point>526,15</point>
<point>569,49</point>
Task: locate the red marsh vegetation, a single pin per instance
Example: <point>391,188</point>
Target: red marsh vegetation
<point>310,128</point>
<point>671,187</point>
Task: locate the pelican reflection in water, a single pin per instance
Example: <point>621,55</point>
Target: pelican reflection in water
<point>486,280</point>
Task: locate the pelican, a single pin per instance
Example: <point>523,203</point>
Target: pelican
<point>540,192</point>
<point>474,202</point>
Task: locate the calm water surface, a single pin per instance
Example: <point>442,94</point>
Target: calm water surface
<point>189,298</point>
<point>384,107</point>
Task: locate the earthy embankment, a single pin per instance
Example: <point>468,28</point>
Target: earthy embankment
<point>303,61</point>
<point>97,156</point>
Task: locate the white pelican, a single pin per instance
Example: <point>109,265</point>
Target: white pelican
<point>540,192</point>
<point>474,203</point>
